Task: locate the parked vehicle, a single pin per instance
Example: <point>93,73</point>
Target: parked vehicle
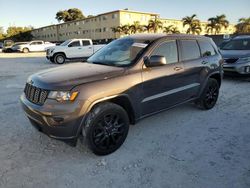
<point>1,46</point>
<point>16,46</point>
<point>34,46</point>
<point>127,80</point>
<point>236,53</point>
<point>72,49</point>
<point>7,44</point>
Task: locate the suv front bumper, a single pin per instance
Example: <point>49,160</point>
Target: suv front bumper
<point>240,68</point>
<point>59,121</point>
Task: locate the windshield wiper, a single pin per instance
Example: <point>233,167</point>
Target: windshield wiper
<point>103,63</point>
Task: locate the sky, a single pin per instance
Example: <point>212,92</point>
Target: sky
<point>40,13</point>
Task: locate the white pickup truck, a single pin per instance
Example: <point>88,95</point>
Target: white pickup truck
<point>72,49</point>
<point>32,46</point>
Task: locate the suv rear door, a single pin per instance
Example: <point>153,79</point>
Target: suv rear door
<point>193,65</point>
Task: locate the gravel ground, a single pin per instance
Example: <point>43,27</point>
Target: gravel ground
<point>183,147</point>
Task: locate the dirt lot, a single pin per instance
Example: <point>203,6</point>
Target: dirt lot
<point>182,147</point>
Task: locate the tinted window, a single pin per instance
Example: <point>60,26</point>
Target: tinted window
<point>36,43</point>
<point>85,43</point>
<point>168,50</point>
<point>206,48</point>
<point>237,44</point>
<point>189,50</point>
<point>74,44</point>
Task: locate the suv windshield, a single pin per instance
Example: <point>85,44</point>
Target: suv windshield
<point>239,44</point>
<point>121,52</point>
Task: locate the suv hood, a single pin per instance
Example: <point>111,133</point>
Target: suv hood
<point>64,78</point>
<point>235,53</point>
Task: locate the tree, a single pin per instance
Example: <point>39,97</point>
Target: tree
<point>1,33</point>
<point>19,33</point>
<point>147,28</point>
<point>170,30</point>
<point>126,29</point>
<point>243,26</point>
<point>217,23</point>
<point>155,24</point>
<point>193,24</point>
<point>136,27</point>
<point>116,30</point>
<point>69,15</point>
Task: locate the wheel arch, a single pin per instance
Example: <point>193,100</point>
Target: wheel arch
<point>121,100</point>
<point>215,75</point>
<point>59,53</point>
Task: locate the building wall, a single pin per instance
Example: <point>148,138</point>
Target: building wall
<point>100,27</point>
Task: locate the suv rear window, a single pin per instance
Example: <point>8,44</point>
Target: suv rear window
<point>206,48</point>
<point>189,50</point>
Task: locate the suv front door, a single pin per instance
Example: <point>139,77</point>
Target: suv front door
<point>163,85</point>
<point>86,48</point>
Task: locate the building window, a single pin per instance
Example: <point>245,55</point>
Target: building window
<point>114,16</point>
<point>104,29</point>
<point>104,17</point>
<point>128,16</point>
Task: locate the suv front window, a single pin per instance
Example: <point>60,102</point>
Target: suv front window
<point>121,52</point>
<point>168,50</point>
<point>239,44</point>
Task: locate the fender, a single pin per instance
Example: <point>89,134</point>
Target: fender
<point>205,82</point>
<point>92,104</point>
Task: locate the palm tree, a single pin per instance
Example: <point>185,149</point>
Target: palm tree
<point>217,23</point>
<point>147,28</point>
<point>193,24</point>
<point>155,24</point>
<point>116,30</point>
<point>212,27</point>
<point>243,26</point>
<point>170,29</point>
<point>126,29</point>
<point>136,27</point>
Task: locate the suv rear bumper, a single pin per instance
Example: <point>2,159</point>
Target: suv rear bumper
<point>63,125</point>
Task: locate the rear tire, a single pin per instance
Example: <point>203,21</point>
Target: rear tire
<point>25,50</point>
<point>209,95</point>
<point>59,58</point>
<point>106,128</point>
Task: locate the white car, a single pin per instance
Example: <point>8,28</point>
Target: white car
<point>72,49</point>
<point>33,46</point>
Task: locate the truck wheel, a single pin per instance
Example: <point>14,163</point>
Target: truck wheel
<point>209,95</point>
<point>25,50</point>
<point>59,58</point>
<point>106,128</point>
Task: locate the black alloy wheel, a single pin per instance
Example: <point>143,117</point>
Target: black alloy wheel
<point>106,128</point>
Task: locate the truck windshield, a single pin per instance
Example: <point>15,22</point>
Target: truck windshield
<point>65,43</point>
<point>121,52</point>
<point>239,44</point>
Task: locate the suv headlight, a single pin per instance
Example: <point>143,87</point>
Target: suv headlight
<point>62,96</point>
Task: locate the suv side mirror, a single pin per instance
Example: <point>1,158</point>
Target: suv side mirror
<point>155,60</point>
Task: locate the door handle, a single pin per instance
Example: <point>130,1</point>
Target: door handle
<point>204,62</point>
<point>177,68</point>
<point>79,48</point>
<point>90,47</point>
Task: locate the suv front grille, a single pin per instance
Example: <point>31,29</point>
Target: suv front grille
<point>35,95</point>
<point>231,60</point>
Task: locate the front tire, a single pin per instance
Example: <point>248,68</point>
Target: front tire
<point>106,128</point>
<point>59,58</point>
<point>25,50</point>
<point>209,95</point>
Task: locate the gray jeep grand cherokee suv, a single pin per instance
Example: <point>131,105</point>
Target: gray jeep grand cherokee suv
<point>127,80</point>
